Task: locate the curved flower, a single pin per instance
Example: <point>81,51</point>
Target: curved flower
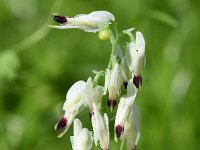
<point>131,128</point>
<point>124,110</point>
<point>92,94</point>
<point>73,104</point>
<point>91,22</point>
<point>135,55</point>
<point>100,128</point>
<point>125,75</point>
<point>82,139</point>
<point>113,82</point>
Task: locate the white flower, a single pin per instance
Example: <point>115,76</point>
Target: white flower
<point>131,128</point>
<point>92,94</point>
<point>113,82</point>
<point>91,22</point>
<point>135,55</point>
<point>124,72</point>
<point>100,128</point>
<point>82,139</point>
<point>124,110</point>
<point>72,106</point>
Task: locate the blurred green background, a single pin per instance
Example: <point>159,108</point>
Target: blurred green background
<point>38,65</point>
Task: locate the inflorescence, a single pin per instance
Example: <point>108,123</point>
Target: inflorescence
<point>123,72</point>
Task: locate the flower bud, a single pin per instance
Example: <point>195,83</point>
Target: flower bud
<point>82,139</point>
<point>104,34</point>
<point>92,22</point>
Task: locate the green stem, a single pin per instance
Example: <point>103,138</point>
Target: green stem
<point>97,76</point>
<point>114,42</point>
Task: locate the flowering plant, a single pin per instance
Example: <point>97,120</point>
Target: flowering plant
<point>124,70</point>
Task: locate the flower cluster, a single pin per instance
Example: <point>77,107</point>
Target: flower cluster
<point>122,82</point>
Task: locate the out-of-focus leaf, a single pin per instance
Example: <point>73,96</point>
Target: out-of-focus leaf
<point>9,64</point>
<point>165,18</point>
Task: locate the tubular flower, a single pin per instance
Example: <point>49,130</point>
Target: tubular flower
<point>92,22</point>
<point>82,139</point>
<point>125,76</point>
<point>73,104</point>
<point>135,55</point>
<point>131,128</point>
<point>100,128</point>
<point>92,94</point>
<point>113,82</point>
<point>124,110</point>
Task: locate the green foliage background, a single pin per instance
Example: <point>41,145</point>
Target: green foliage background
<point>38,65</point>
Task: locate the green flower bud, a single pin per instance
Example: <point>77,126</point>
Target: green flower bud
<point>104,34</point>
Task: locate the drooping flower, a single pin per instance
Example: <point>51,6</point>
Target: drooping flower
<point>100,128</point>
<point>92,94</point>
<point>123,66</point>
<point>82,139</point>
<point>113,82</point>
<point>73,104</point>
<point>92,22</point>
<point>124,72</point>
<point>131,128</point>
<point>135,56</point>
<point>124,109</point>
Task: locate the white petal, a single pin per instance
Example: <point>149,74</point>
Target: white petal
<point>131,89</point>
<point>77,127</point>
<point>107,125</point>
<point>72,142</point>
<point>74,94</point>
<point>92,95</point>
<point>131,55</point>
<point>86,139</point>
<point>107,81</point>
<point>135,53</point>
<point>115,82</point>
<point>101,128</point>
<point>94,131</point>
<point>82,139</point>
<point>124,71</point>
<point>132,131</point>
<point>63,26</point>
<point>140,44</point>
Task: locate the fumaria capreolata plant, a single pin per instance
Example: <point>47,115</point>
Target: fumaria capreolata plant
<point>122,73</point>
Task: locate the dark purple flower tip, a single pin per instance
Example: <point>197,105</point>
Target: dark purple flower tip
<point>61,124</point>
<point>60,19</point>
<point>134,147</point>
<point>112,103</point>
<point>125,84</point>
<point>137,81</point>
<point>91,113</point>
<point>118,131</point>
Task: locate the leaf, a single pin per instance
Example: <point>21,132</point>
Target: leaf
<point>9,64</point>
